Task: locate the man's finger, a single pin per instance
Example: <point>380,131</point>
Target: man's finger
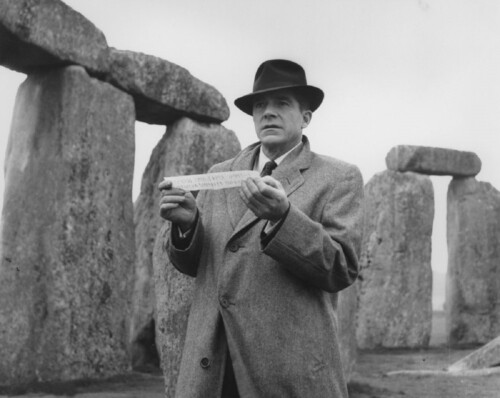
<point>172,192</point>
<point>172,199</point>
<point>251,184</point>
<point>249,188</point>
<point>168,206</point>
<point>165,184</point>
<point>272,182</point>
<point>250,205</point>
<point>269,191</point>
<point>252,193</point>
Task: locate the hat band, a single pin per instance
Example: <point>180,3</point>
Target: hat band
<point>275,85</point>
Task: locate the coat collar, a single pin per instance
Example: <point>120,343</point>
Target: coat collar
<point>288,173</point>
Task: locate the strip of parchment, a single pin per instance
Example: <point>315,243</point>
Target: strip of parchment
<point>195,182</point>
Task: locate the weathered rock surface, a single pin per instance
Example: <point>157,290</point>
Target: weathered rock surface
<point>346,310</point>
<point>433,161</point>
<point>40,33</point>
<point>472,304</point>
<point>395,303</point>
<point>485,357</point>
<point>174,293</point>
<point>186,148</point>
<point>67,240</point>
<point>36,34</point>
<point>163,91</point>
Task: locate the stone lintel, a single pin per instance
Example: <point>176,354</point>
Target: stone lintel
<point>433,161</point>
<point>163,91</point>
<point>37,34</point>
<point>41,34</point>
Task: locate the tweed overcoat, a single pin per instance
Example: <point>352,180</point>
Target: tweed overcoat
<point>270,301</point>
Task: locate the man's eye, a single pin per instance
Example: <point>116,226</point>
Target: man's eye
<point>283,103</point>
<point>258,105</point>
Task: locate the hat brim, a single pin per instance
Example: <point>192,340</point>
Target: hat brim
<point>314,94</point>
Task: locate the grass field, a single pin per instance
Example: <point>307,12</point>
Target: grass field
<point>369,380</point>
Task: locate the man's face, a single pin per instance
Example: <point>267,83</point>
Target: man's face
<point>279,120</point>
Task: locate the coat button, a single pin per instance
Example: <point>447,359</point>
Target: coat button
<point>224,302</point>
<point>205,363</point>
<point>233,247</point>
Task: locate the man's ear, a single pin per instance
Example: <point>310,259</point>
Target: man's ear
<point>306,118</point>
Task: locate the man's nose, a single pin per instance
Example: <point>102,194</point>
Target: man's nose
<point>269,110</point>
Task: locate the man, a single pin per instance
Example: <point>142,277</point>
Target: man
<point>268,255</point>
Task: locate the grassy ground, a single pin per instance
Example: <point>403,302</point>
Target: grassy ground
<point>369,380</point>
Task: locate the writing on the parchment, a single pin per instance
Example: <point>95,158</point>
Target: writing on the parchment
<point>195,182</point>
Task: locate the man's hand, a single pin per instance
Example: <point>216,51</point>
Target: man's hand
<point>177,205</point>
<point>265,197</point>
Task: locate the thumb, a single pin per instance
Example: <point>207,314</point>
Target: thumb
<point>271,188</point>
<point>272,182</point>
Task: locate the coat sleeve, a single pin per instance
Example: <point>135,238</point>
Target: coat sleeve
<point>325,252</point>
<point>187,258</point>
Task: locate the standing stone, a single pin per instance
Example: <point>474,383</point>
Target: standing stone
<point>395,306</point>
<point>472,304</point>
<point>67,243</point>
<point>174,294</point>
<point>347,309</point>
<point>433,161</point>
<point>42,33</point>
<point>186,148</point>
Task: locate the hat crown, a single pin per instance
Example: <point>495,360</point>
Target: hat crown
<point>277,73</point>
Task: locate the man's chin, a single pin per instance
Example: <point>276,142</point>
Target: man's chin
<point>270,140</point>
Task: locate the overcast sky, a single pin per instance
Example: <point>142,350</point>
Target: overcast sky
<point>419,72</point>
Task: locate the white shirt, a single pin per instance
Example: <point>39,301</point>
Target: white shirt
<point>263,159</point>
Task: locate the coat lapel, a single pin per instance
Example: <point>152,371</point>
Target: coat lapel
<point>288,173</point>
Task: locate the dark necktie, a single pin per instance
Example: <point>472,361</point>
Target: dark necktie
<point>268,168</point>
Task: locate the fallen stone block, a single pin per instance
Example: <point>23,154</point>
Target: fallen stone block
<point>37,34</point>
<point>67,249</point>
<point>487,356</point>
<point>472,289</point>
<point>433,161</point>
<point>163,91</point>
<point>395,300</point>
<point>420,373</point>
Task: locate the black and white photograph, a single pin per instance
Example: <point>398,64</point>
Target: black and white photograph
<point>250,199</point>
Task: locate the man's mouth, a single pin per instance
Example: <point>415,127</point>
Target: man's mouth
<point>270,126</point>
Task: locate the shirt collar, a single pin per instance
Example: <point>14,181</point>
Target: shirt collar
<point>263,159</point>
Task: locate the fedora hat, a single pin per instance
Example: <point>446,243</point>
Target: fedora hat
<point>279,74</point>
